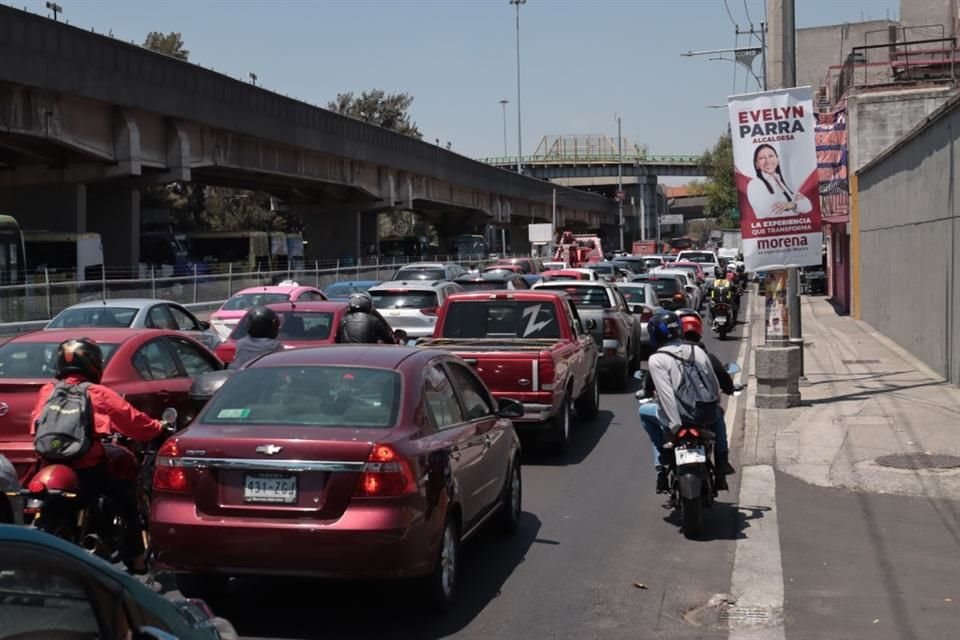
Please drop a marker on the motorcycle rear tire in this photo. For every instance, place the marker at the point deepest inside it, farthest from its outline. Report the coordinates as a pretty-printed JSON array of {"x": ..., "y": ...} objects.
[{"x": 691, "y": 517}]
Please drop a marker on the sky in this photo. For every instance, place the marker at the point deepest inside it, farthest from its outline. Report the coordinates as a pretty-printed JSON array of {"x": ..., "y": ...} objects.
[{"x": 582, "y": 61}]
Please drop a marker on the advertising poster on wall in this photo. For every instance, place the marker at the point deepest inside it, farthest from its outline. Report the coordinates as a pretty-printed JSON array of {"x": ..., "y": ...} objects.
[
  {"x": 775, "y": 165},
  {"x": 777, "y": 314}
]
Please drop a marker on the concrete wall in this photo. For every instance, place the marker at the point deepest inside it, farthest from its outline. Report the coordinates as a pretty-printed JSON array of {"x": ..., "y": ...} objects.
[
  {"x": 820, "y": 47},
  {"x": 910, "y": 239},
  {"x": 928, "y": 12},
  {"x": 876, "y": 120}
]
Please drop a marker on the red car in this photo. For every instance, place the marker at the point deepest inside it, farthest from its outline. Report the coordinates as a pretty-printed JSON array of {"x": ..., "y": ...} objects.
[
  {"x": 305, "y": 324},
  {"x": 564, "y": 274},
  {"x": 343, "y": 462},
  {"x": 153, "y": 369}
]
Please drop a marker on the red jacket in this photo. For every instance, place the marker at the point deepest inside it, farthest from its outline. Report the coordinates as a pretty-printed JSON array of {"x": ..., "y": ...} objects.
[{"x": 110, "y": 413}]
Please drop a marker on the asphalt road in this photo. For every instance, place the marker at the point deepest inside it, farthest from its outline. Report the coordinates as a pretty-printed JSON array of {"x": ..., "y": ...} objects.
[{"x": 592, "y": 528}]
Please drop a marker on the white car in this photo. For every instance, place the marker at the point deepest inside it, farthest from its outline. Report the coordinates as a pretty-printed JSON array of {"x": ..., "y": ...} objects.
[
  {"x": 412, "y": 305},
  {"x": 428, "y": 271},
  {"x": 707, "y": 259},
  {"x": 641, "y": 294}
]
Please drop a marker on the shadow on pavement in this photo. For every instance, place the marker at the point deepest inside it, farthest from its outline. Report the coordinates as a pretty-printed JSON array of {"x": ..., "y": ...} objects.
[
  {"x": 275, "y": 608},
  {"x": 872, "y": 391},
  {"x": 583, "y": 440},
  {"x": 724, "y": 521},
  {"x": 856, "y": 377}
]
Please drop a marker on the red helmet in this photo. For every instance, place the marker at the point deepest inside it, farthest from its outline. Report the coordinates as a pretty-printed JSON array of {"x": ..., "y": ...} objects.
[{"x": 691, "y": 324}]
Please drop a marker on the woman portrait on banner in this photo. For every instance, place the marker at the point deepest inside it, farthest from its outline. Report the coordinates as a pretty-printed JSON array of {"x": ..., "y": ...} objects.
[{"x": 769, "y": 194}]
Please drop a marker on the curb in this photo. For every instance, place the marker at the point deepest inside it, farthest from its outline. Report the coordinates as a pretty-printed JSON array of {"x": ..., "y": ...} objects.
[{"x": 743, "y": 356}]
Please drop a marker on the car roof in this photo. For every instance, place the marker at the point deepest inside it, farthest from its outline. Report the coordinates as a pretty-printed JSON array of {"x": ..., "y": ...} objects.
[
  {"x": 94, "y": 333},
  {"x": 381, "y": 356},
  {"x": 572, "y": 283},
  {"x": 409, "y": 285},
  {"x": 513, "y": 294},
  {"x": 287, "y": 288},
  {"x": 422, "y": 265},
  {"x": 352, "y": 282},
  {"x": 138, "y": 303},
  {"x": 324, "y": 305}
]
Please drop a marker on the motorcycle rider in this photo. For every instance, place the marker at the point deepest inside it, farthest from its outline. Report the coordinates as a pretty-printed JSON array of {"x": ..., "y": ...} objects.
[
  {"x": 362, "y": 324},
  {"x": 79, "y": 361},
  {"x": 263, "y": 326},
  {"x": 666, "y": 332}
]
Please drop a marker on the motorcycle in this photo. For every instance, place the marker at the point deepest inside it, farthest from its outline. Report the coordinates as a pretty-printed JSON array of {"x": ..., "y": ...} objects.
[
  {"x": 55, "y": 502},
  {"x": 722, "y": 318},
  {"x": 691, "y": 475}
]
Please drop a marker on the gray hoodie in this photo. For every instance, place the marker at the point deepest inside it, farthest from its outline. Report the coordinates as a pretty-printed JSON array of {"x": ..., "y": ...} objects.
[
  {"x": 666, "y": 374},
  {"x": 249, "y": 348}
]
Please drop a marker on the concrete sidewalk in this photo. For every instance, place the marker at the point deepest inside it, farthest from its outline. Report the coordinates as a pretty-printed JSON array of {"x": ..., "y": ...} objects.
[{"x": 864, "y": 397}]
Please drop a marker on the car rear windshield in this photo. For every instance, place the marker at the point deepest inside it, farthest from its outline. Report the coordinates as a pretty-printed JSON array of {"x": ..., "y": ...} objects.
[
  {"x": 664, "y": 286},
  {"x": 297, "y": 325},
  {"x": 635, "y": 295},
  {"x": 36, "y": 359},
  {"x": 313, "y": 396},
  {"x": 602, "y": 268},
  {"x": 344, "y": 290},
  {"x": 482, "y": 285},
  {"x": 700, "y": 257},
  {"x": 588, "y": 297},
  {"x": 501, "y": 318},
  {"x": 420, "y": 274},
  {"x": 244, "y": 301},
  {"x": 498, "y": 272},
  {"x": 404, "y": 299},
  {"x": 94, "y": 317}
]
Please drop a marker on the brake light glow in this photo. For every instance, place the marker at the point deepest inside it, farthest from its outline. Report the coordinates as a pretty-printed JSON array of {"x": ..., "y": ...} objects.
[
  {"x": 610, "y": 331},
  {"x": 386, "y": 474},
  {"x": 36, "y": 486},
  {"x": 546, "y": 372},
  {"x": 692, "y": 432},
  {"x": 169, "y": 474},
  {"x": 646, "y": 314},
  {"x": 430, "y": 311}
]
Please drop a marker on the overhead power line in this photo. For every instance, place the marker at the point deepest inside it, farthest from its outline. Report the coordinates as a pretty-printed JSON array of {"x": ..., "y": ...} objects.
[{"x": 730, "y": 15}]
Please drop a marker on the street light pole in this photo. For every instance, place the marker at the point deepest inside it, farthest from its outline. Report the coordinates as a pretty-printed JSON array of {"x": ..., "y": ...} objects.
[
  {"x": 519, "y": 129},
  {"x": 620, "y": 179},
  {"x": 504, "y": 104},
  {"x": 790, "y": 80}
]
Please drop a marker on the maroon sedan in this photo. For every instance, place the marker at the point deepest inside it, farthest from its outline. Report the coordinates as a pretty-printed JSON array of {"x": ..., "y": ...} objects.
[
  {"x": 302, "y": 324},
  {"x": 153, "y": 369},
  {"x": 342, "y": 462}
]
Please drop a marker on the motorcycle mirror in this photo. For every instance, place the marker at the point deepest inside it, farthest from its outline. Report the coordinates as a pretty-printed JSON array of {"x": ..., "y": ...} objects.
[
  {"x": 639, "y": 374},
  {"x": 169, "y": 415},
  {"x": 733, "y": 368}
]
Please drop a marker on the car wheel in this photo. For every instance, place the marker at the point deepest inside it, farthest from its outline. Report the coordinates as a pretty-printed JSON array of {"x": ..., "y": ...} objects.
[
  {"x": 202, "y": 585},
  {"x": 561, "y": 426},
  {"x": 511, "y": 504},
  {"x": 441, "y": 585},
  {"x": 588, "y": 404}
]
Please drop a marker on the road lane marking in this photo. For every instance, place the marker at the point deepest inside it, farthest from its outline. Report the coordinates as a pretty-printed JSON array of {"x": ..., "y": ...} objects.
[{"x": 757, "y": 581}]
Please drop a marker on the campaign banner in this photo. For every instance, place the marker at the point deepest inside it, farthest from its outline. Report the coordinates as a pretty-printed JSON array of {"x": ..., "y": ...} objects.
[{"x": 775, "y": 167}]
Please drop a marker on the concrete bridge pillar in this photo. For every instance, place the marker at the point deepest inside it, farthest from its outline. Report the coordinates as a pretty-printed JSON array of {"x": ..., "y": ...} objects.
[
  {"x": 114, "y": 213},
  {"x": 647, "y": 186},
  {"x": 61, "y": 207}
]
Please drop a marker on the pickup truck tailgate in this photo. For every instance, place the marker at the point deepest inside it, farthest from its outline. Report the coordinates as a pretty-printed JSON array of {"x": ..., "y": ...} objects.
[{"x": 512, "y": 373}]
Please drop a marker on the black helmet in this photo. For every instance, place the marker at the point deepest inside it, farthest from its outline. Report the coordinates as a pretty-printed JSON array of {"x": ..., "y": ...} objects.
[
  {"x": 360, "y": 301},
  {"x": 80, "y": 356},
  {"x": 663, "y": 327},
  {"x": 263, "y": 322}
]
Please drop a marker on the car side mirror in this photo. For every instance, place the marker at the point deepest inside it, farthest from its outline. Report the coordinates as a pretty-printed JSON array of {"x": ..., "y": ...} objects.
[
  {"x": 509, "y": 408},
  {"x": 591, "y": 324},
  {"x": 733, "y": 368},
  {"x": 204, "y": 325}
]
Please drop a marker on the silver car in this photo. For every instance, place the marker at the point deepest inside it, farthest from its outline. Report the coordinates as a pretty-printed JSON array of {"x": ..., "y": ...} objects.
[
  {"x": 412, "y": 305},
  {"x": 642, "y": 299},
  {"x": 136, "y": 313}
]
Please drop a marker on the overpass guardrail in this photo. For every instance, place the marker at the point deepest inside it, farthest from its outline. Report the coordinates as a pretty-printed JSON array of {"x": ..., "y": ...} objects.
[
  {"x": 29, "y": 306},
  {"x": 600, "y": 158}
]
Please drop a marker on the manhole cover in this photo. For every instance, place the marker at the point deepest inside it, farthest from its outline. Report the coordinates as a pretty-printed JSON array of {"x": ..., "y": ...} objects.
[
  {"x": 750, "y": 615},
  {"x": 860, "y": 361},
  {"x": 919, "y": 461}
]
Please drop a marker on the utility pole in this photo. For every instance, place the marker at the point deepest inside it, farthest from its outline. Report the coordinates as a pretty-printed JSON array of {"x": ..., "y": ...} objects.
[
  {"x": 620, "y": 179},
  {"x": 790, "y": 80},
  {"x": 519, "y": 131},
  {"x": 504, "y": 103},
  {"x": 55, "y": 8}
]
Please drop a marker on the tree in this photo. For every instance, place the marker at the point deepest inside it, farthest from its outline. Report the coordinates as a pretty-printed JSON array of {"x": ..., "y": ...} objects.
[
  {"x": 721, "y": 190},
  {"x": 387, "y": 110},
  {"x": 169, "y": 43}
]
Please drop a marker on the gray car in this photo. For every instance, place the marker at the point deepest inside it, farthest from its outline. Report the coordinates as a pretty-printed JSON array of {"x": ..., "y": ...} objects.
[
  {"x": 136, "y": 313},
  {"x": 617, "y": 331}
]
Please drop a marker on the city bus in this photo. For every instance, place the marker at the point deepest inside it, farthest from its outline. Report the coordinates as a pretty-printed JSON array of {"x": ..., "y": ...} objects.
[
  {"x": 246, "y": 250},
  {"x": 404, "y": 247},
  {"x": 64, "y": 256},
  {"x": 470, "y": 247}
]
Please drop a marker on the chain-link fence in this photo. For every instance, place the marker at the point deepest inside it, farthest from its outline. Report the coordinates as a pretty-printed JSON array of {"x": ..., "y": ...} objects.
[{"x": 42, "y": 297}]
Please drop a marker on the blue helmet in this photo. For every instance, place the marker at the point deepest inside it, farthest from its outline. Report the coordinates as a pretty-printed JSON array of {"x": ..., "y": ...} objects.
[{"x": 663, "y": 327}]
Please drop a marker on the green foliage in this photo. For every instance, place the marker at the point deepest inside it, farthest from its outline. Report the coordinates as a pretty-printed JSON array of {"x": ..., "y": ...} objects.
[
  {"x": 168, "y": 43},
  {"x": 380, "y": 108},
  {"x": 720, "y": 190}
]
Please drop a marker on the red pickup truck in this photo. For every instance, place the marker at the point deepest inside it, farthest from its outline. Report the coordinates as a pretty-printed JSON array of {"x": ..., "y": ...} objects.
[{"x": 526, "y": 345}]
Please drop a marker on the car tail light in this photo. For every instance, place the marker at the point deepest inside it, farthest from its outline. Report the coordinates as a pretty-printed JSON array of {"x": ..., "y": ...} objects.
[
  {"x": 646, "y": 315},
  {"x": 386, "y": 474},
  {"x": 610, "y": 331},
  {"x": 679, "y": 298},
  {"x": 547, "y": 372},
  {"x": 169, "y": 474},
  {"x": 692, "y": 432},
  {"x": 36, "y": 486},
  {"x": 429, "y": 311}
]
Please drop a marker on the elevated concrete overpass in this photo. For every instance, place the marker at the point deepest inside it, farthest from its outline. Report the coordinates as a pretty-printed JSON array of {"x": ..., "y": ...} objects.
[{"x": 86, "y": 121}]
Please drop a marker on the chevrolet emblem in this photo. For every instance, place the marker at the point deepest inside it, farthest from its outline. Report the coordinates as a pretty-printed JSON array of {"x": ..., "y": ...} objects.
[{"x": 269, "y": 449}]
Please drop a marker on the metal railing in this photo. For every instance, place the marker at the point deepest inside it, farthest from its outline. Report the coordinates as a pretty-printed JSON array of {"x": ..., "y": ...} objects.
[
  {"x": 596, "y": 158},
  {"x": 41, "y": 298}
]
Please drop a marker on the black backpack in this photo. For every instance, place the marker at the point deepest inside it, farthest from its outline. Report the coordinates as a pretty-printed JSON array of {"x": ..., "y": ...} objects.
[
  {"x": 698, "y": 395},
  {"x": 64, "y": 429}
]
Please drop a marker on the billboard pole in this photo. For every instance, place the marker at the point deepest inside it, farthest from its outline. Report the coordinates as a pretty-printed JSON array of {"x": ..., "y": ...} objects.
[{"x": 790, "y": 80}]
